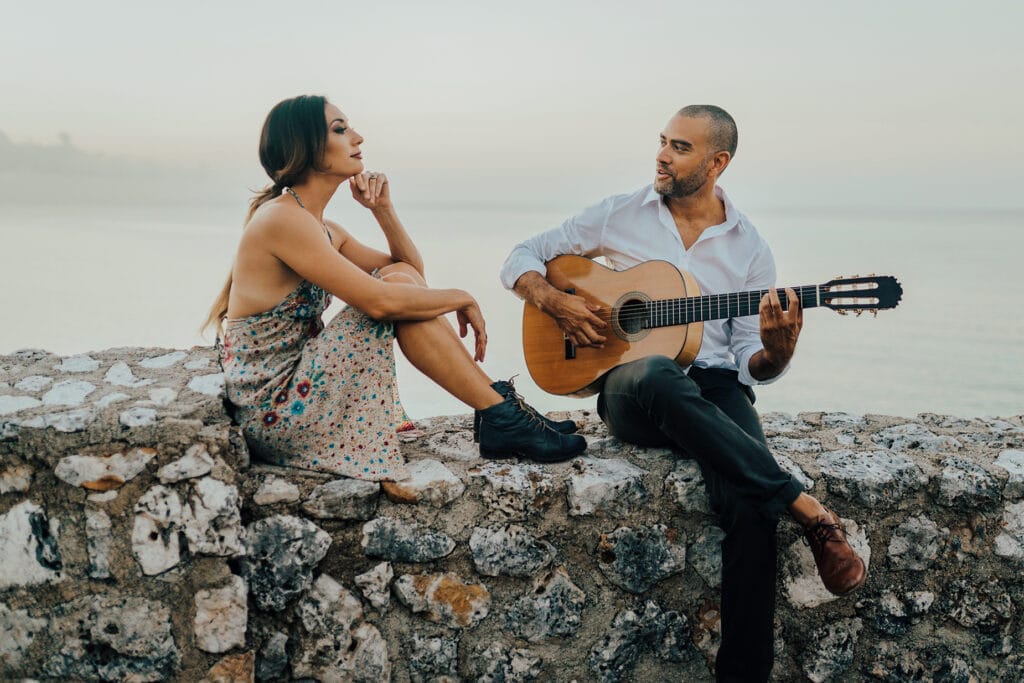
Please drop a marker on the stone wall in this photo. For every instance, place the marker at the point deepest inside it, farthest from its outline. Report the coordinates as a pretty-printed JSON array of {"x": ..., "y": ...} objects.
[{"x": 138, "y": 543}]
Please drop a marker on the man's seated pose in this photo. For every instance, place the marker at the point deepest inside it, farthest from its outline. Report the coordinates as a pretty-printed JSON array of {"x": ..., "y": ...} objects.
[{"x": 704, "y": 410}]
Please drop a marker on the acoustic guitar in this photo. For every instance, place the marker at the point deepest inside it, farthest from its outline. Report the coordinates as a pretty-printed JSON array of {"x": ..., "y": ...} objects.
[{"x": 656, "y": 309}]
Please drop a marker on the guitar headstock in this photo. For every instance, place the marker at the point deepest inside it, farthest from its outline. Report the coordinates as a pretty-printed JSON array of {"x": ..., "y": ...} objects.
[{"x": 861, "y": 293}]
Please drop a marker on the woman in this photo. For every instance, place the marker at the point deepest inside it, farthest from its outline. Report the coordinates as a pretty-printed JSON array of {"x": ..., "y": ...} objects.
[{"x": 324, "y": 398}]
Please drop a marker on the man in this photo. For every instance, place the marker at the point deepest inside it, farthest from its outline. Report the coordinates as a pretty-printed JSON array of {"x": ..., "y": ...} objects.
[{"x": 705, "y": 410}]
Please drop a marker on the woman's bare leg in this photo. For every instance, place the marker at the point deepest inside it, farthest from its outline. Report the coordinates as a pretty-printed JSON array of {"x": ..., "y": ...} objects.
[{"x": 433, "y": 347}]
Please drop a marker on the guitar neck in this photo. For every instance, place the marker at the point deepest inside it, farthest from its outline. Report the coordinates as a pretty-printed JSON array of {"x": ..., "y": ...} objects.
[{"x": 693, "y": 309}]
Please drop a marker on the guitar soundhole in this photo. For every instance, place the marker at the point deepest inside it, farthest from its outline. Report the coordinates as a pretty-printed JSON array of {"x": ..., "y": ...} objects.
[{"x": 628, "y": 316}]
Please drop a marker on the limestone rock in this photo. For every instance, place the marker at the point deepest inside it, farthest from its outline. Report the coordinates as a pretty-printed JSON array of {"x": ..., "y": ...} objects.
[
  {"x": 706, "y": 555},
  {"x": 33, "y": 383},
  {"x": 686, "y": 485},
  {"x": 833, "y": 651},
  {"x": 513, "y": 492},
  {"x": 444, "y": 598},
  {"x": 102, "y": 473},
  {"x": 138, "y": 416},
  {"x": 121, "y": 375},
  {"x": 782, "y": 423},
  {"x": 16, "y": 478},
  {"x": 1010, "y": 542},
  {"x": 80, "y": 363},
  {"x": 429, "y": 482},
  {"x": 499, "y": 663},
  {"x": 195, "y": 463},
  {"x": 77, "y": 420},
  {"x": 210, "y": 385},
  {"x": 973, "y": 604},
  {"x": 1013, "y": 462},
  {"x": 635, "y": 559},
  {"x": 239, "y": 668},
  {"x": 553, "y": 608},
  {"x": 915, "y": 544},
  {"x": 794, "y": 469},
  {"x": 273, "y": 658},
  {"x": 99, "y": 541},
  {"x": 18, "y": 630},
  {"x": 801, "y": 582},
  {"x": 113, "y": 639},
  {"x": 875, "y": 478},
  {"x": 895, "y": 613},
  {"x": 914, "y": 436},
  {"x": 966, "y": 484},
  {"x": 15, "y": 404},
  {"x": 830, "y": 420},
  {"x": 398, "y": 541},
  {"x": 343, "y": 499},
  {"x": 433, "y": 659},
  {"x": 786, "y": 443},
  {"x": 29, "y": 553},
  {"x": 155, "y": 533},
  {"x": 163, "y": 361},
  {"x": 276, "y": 490},
  {"x": 375, "y": 585},
  {"x": 337, "y": 645},
  {"x": 221, "y": 616},
  {"x": 453, "y": 445},
  {"x": 70, "y": 392},
  {"x": 282, "y": 552},
  {"x": 654, "y": 630},
  {"x": 212, "y": 519},
  {"x": 509, "y": 550},
  {"x": 605, "y": 486}
]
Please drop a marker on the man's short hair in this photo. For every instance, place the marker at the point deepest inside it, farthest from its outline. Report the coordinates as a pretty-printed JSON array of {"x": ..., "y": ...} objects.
[{"x": 723, "y": 128}]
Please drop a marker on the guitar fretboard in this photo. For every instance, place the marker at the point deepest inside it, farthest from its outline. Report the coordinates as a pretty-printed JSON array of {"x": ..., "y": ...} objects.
[{"x": 719, "y": 306}]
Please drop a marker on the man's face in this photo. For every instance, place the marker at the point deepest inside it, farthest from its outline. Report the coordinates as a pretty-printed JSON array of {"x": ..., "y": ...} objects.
[{"x": 683, "y": 156}]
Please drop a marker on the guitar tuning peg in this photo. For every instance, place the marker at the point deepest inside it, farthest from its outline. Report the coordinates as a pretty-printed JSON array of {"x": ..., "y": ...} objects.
[
  {"x": 874, "y": 312},
  {"x": 842, "y": 311},
  {"x": 859, "y": 311}
]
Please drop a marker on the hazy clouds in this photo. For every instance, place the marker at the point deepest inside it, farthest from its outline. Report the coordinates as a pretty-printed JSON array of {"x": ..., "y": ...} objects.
[{"x": 866, "y": 104}]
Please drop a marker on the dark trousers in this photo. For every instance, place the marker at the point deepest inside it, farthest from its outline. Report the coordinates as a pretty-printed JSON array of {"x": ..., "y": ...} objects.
[{"x": 709, "y": 416}]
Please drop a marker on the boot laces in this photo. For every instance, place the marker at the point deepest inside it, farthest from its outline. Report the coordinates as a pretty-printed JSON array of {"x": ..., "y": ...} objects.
[
  {"x": 535, "y": 416},
  {"x": 820, "y": 533}
]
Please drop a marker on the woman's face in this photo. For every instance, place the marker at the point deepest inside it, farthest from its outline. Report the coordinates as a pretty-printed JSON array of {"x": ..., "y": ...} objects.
[{"x": 342, "y": 155}]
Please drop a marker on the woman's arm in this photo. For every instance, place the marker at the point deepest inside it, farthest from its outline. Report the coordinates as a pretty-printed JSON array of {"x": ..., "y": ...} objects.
[
  {"x": 295, "y": 238},
  {"x": 372, "y": 190}
]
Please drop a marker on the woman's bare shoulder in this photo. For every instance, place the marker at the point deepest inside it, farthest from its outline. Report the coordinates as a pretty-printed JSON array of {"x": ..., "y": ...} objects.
[{"x": 275, "y": 217}]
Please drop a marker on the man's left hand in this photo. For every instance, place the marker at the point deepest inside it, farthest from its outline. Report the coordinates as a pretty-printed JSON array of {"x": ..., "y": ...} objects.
[{"x": 780, "y": 329}]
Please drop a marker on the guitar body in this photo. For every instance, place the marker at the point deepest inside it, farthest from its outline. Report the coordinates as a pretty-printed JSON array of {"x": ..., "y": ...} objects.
[{"x": 558, "y": 368}]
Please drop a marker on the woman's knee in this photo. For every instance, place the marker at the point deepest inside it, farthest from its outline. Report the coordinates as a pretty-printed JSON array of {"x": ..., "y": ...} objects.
[{"x": 402, "y": 272}]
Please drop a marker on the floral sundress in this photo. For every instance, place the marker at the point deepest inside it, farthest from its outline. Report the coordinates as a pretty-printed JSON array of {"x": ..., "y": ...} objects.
[{"x": 316, "y": 397}]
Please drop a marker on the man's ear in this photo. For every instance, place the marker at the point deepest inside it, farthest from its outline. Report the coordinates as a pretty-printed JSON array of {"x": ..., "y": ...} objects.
[{"x": 719, "y": 161}]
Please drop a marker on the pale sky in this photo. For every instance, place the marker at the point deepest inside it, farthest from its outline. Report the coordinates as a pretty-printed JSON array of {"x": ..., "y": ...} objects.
[{"x": 914, "y": 103}]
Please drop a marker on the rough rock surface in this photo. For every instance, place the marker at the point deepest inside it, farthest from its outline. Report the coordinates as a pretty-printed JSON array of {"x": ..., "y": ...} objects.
[{"x": 131, "y": 521}]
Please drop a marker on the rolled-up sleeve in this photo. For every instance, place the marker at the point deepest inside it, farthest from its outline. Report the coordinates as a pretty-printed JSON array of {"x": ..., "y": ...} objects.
[
  {"x": 746, "y": 331},
  {"x": 580, "y": 235}
]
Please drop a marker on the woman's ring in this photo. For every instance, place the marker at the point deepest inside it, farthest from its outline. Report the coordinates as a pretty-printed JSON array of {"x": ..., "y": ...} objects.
[{"x": 373, "y": 176}]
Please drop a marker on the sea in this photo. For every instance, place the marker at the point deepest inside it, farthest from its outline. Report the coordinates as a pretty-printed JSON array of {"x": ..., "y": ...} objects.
[{"x": 82, "y": 278}]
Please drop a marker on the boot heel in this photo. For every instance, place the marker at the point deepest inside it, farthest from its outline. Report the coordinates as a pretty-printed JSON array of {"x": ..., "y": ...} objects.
[{"x": 476, "y": 426}]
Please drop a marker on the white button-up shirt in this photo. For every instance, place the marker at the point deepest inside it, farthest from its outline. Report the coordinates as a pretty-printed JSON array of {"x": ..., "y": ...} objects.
[{"x": 629, "y": 229}]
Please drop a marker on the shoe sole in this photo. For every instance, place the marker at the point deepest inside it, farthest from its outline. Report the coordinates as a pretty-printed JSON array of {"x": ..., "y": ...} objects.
[{"x": 505, "y": 455}]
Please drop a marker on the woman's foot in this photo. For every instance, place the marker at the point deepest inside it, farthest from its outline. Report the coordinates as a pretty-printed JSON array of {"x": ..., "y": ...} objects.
[
  {"x": 513, "y": 429},
  {"x": 506, "y": 388}
]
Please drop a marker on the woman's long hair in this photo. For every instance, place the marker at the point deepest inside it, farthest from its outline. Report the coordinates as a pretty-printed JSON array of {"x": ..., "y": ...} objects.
[{"x": 292, "y": 143}]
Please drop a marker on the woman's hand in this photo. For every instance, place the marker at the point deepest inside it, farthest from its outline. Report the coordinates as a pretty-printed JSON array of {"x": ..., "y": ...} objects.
[
  {"x": 470, "y": 316},
  {"x": 370, "y": 188}
]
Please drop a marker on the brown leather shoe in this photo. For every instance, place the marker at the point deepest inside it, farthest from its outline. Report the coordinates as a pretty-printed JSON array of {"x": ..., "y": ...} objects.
[{"x": 841, "y": 569}]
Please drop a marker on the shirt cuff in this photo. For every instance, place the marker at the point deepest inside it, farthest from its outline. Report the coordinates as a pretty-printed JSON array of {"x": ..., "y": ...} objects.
[{"x": 743, "y": 367}]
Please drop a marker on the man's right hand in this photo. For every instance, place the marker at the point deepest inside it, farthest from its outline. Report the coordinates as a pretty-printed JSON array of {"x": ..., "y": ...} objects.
[{"x": 577, "y": 317}]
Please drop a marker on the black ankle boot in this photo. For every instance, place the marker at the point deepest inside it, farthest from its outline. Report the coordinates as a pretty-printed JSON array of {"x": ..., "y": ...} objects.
[
  {"x": 506, "y": 388},
  {"x": 511, "y": 429}
]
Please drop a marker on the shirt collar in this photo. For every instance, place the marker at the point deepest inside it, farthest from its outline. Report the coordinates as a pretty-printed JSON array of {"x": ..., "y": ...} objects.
[{"x": 732, "y": 216}]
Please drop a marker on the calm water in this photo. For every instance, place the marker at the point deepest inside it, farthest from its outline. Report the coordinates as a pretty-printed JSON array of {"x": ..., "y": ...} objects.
[{"x": 77, "y": 279}]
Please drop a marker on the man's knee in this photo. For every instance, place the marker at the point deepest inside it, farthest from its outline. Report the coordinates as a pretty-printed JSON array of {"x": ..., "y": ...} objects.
[
  {"x": 402, "y": 272},
  {"x": 654, "y": 375}
]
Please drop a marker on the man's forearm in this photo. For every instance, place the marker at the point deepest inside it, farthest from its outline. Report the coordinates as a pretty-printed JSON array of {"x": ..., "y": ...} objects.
[{"x": 532, "y": 286}]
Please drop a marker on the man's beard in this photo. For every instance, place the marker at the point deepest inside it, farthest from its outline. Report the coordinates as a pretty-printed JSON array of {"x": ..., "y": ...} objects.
[{"x": 685, "y": 186}]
